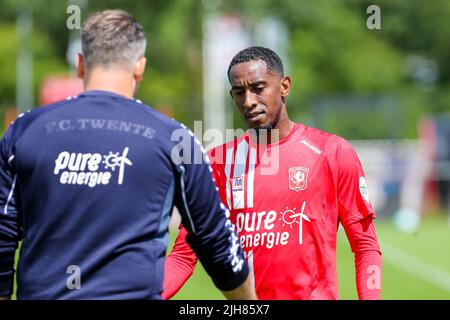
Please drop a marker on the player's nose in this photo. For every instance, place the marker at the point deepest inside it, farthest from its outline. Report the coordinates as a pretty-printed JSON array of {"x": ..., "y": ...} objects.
[{"x": 249, "y": 100}]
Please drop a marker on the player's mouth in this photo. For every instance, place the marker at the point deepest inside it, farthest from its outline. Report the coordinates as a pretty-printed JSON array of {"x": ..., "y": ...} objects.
[{"x": 254, "y": 116}]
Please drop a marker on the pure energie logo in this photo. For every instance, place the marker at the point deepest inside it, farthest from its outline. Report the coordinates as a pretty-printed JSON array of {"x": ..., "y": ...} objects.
[{"x": 90, "y": 169}]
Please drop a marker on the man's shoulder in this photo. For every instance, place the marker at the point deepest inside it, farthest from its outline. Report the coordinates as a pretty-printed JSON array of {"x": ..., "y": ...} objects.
[
  {"x": 337, "y": 149},
  {"x": 323, "y": 140},
  {"x": 163, "y": 119},
  {"x": 148, "y": 114},
  {"x": 24, "y": 120}
]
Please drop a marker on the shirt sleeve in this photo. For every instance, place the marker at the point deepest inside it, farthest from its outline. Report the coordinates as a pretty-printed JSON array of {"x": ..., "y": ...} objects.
[
  {"x": 9, "y": 219},
  {"x": 368, "y": 262},
  {"x": 352, "y": 192},
  {"x": 179, "y": 266},
  {"x": 211, "y": 234},
  {"x": 181, "y": 261}
]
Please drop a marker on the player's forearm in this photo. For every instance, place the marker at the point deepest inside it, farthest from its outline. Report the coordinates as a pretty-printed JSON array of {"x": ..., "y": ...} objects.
[
  {"x": 179, "y": 266},
  {"x": 5, "y": 298},
  {"x": 244, "y": 292},
  {"x": 364, "y": 243},
  {"x": 368, "y": 275},
  {"x": 176, "y": 273}
]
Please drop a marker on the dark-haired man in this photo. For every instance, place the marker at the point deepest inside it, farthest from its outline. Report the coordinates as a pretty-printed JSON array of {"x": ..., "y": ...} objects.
[
  {"x": 89, "y": 183},
  {"x": 288, "y": 186}
]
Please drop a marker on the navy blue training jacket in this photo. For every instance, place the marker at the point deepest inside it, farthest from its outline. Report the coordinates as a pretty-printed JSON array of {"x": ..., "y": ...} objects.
[{"x": 88, "y": 186}]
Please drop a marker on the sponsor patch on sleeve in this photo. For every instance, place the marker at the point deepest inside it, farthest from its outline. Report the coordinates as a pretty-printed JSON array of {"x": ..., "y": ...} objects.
[{"x": 363, "y": 189}]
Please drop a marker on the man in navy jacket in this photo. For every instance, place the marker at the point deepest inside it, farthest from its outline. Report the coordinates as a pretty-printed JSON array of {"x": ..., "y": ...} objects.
[{"x": 88, "y": 185}]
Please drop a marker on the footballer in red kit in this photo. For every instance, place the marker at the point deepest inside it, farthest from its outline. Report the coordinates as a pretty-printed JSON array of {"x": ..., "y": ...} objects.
[{"x": 287, "y": 192}]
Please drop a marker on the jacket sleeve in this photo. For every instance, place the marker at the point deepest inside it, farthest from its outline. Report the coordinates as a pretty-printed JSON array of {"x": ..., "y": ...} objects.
[
  {"x": 181, "y": 261},
  {"x": 9, "y": 219},
  {"x": 211, "y": 234}
]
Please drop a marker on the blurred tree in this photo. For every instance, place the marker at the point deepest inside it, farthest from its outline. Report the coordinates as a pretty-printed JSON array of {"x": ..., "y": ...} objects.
[
  {"x": 7, "y": 64},
  {"x": 331, "y": 51},
  {"x": 173, "y": 79},
  {"x": 46, "y": 61}
]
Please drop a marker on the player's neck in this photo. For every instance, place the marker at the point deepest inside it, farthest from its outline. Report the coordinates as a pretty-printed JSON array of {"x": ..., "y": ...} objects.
[
  {"x": 113, "y": 80},
  {"x": 284, "y": 125}
]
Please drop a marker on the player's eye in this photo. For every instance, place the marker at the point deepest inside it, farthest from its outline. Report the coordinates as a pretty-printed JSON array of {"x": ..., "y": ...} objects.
[{"x": 259, "y": 89}]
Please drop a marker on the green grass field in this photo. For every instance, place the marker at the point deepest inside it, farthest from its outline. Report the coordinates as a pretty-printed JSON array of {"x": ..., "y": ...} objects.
[{"x": 415, "y": 266}]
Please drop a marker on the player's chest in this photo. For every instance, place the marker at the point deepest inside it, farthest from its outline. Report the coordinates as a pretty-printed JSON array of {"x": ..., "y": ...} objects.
[{"x": 279, "y": 180}]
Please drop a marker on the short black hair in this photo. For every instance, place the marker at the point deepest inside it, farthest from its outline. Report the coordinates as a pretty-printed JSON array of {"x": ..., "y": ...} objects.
[{"x": 272, "y": 60}]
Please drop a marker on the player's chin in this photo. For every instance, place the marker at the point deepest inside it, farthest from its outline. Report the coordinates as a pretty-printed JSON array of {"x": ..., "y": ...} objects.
[{"x": 261, "y": 123}]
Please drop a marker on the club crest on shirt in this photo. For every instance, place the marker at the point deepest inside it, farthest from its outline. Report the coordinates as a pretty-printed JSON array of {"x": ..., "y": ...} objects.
[{"x": 298, "y": 178}]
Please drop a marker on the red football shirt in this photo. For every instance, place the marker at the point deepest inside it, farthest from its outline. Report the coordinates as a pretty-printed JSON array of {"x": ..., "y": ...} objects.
[{"x": 286, "y": 200}]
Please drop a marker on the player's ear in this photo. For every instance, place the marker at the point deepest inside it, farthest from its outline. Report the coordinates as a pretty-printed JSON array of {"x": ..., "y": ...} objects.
[
  {"x": 139, "y": 68},
  {"x": 79, "y": 64},
  {"x": 285, "y": 86}
]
